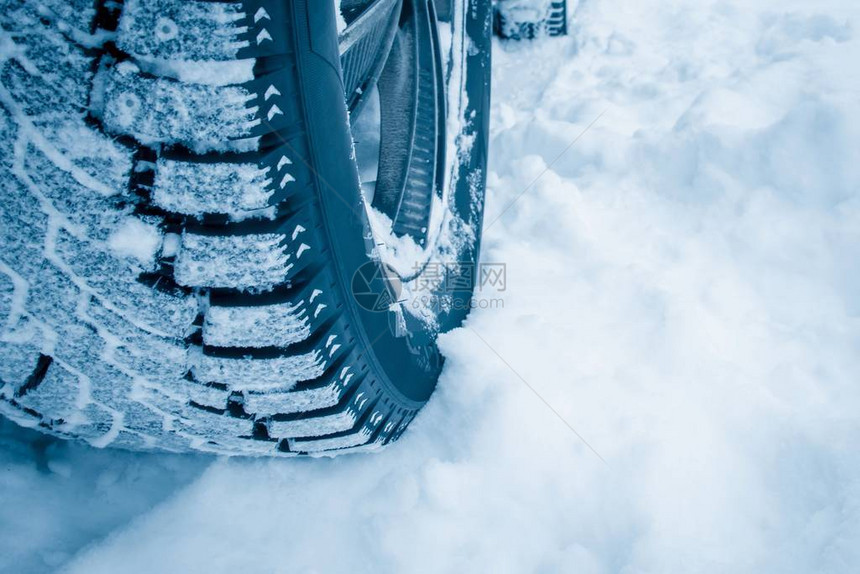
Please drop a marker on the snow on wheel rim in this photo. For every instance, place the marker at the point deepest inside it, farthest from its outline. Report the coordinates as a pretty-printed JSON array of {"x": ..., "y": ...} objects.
[
  {"x": 410, "y": 251},
  {"x": 449, "y": 236}
]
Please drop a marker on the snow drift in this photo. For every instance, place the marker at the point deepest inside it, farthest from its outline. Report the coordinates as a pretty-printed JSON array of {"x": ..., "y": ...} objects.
[{"x": 670, "y": 387}]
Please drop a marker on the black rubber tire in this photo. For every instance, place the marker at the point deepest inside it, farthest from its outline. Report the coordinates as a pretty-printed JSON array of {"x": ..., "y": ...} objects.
[{"x": 178, "y": 257}]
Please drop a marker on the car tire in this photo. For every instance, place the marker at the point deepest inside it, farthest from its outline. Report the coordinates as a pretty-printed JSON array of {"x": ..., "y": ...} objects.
[{"x": 183, "y": 229}]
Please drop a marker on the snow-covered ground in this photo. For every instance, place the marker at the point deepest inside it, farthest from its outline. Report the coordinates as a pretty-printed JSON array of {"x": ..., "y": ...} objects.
[{"x": 673, "y": 384}]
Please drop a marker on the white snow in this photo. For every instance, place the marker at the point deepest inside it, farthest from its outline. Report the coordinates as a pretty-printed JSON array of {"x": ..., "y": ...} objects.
[
  {"x": 683, "y": 294},
  {"x": 137, "y": 239},
  {"x": 338, "y": 14},
  {"x": 276, "y": 374},
  {"x": 213, "y": 73},
  {"x": 192, "y": 31},
  {"x": 295, "y": 401},
  {"x": 195, "y": 188},
  {"x": 280, "y": 324},
  {"x": 333, "y": 423},
  {"x": 162, "y": 110},
  {"x": 238, "y": 261}
]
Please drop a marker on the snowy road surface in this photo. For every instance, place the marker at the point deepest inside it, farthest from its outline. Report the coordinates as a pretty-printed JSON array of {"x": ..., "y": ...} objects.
[{"x": 673, "y": 384}]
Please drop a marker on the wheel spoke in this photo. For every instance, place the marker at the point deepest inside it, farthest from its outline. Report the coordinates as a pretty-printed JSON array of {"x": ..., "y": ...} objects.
[
  {"x": 364, "y": 46},
  {"x": 412, "y": 98}
]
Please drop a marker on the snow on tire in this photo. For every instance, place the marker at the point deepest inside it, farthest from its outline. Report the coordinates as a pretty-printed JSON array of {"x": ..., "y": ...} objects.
[{"x": 175, "y": 265}]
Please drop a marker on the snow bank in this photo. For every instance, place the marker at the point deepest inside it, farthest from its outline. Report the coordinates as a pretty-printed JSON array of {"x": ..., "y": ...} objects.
[
  {"x": 59, "y": 497},
  {"x": 682, "y": 291}
]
